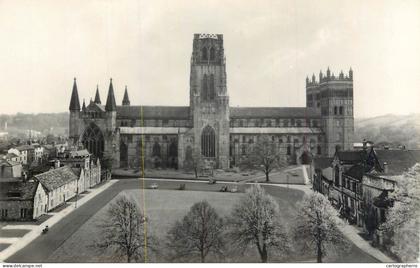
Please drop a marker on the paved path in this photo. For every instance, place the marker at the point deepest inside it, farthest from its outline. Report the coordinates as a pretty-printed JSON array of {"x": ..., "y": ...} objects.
[
  {"x": 36, "y": 230},
  {"x": 43, "y": 246}
]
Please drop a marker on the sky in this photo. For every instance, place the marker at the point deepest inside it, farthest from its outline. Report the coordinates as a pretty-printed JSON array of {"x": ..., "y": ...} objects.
[{"x": 270, "y": 48}]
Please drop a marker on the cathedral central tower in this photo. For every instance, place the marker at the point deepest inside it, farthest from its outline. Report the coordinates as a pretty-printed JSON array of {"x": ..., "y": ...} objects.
[{"x": 209, "y": 101}]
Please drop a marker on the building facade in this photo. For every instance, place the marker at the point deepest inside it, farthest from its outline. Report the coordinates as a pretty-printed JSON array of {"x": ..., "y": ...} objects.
[{"x": 169, "y": 136}]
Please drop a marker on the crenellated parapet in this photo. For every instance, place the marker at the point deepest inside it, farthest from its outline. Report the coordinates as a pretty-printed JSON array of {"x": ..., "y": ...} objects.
[{"x": 328, "y": 77}]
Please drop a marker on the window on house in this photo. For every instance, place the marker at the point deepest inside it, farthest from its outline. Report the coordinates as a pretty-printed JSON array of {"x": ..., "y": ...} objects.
[
  {"x": 298, "y": 123},
  {"x": 286, "y": 123},
  {"x": 335, "y": 110},
  {"x": 4, "y": 213},
  {"x": 318, "y": 150},
  {"x": 289, "y": 150},
  {"x": 337, "y": 176},
  {"x": 341, "y": 110},
  {"x": 212, "y": 53}
]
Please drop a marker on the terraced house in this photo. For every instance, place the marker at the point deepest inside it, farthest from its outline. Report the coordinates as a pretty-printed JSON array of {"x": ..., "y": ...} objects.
[{"x": 170, "y": 136}]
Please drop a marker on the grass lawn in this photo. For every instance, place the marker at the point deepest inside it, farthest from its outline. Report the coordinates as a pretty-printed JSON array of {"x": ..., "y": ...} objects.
[
  {"x": 163, "y": 208},
  {"x": 13, "y": 232}
]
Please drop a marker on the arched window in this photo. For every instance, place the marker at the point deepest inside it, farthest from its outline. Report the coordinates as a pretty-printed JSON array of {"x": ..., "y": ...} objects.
[
  {"x": 212, "y": 53},
  {"x": 204, "y": 53},
  {"x": 93, "y": 140},
  {"x": 123, "y": 154},
  {"x": 212, "y": 91},
  {"x": 208, "y": 142},
  {"x": 204, "y": 91}
]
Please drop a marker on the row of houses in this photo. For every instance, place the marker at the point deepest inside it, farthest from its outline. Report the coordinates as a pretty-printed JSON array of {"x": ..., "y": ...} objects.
[
  {"x": 30, "y": 198},
  {"x": 32, "y": 154},
  {"x": 358, "y": 183}
]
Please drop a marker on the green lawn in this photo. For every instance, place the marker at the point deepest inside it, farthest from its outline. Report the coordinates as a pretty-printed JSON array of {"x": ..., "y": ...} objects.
[{"x": 163, "y": 208}]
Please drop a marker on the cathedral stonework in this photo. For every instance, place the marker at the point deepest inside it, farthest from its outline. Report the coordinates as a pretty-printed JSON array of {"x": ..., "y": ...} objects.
[{"x": 174, "y": 136}]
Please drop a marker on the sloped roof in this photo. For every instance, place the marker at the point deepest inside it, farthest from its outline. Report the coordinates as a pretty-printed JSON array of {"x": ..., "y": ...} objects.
[
  {"x": 9, "y": 163},
  {"x": 355, "y": 172},
  {"x": 10, "y": 155},
  {"x": 273, "y": 112},
  {"x": 398, "y": 161},
  {"x": 17, "y": 190},
  {"x": 322, "y": 162},
  {"x": 153, "y": 112},
  {"x": 56, "y": 177},
  {"x": 95, "y": 107},
  {"x": 76, "y": 171},
  {"x": 24, "y": 147},
  {"x": 350, "y": 157}
]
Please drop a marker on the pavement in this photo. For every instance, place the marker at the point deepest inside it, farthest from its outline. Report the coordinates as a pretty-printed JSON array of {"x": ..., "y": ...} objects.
[
  {"x": 44, "y": 246},
  {"x": 18, "y": 243}
]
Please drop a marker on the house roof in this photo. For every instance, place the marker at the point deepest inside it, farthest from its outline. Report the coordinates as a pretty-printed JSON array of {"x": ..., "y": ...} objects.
[
  {"x": 56, "y": 177},
  {"x": 322, "y": 162},
  {"x": 355, "y": 172},
  {"x": 17, "y": 190},
  {"x": 399, "y": 161},
  {"x": 350, "y": 157},
  {"x": 274, "y": 112},
  {"x": 9, "y": 163},
  {"x": 153, "y": 112},
  {"x": 10, "y": 155},
  {"x": 24, "y": 147},
  {"x": 76, "y": 171}
]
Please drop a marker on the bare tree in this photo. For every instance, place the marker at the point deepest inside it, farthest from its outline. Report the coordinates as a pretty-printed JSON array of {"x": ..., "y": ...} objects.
[
  {"x": 255, "y": 221},
  {"x": 265, "y": 156},
  {"x": 125, "y": 232},
  {"x": 317, "y": 226},
  {"x": 199, "y": 233}
]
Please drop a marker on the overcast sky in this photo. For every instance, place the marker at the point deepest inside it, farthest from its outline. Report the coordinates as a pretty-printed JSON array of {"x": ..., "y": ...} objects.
[{"x": 270, "y": 47}]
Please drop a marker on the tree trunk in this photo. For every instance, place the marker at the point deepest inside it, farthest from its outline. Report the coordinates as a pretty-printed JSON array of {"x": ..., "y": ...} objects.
[
  {"x": 128, "y": 258},
  {"x": 267, "y": 179},
  {"x": 264, "y": 256},
  {"x": 319, "y": 253},
  {"x": 202, "y": 257}
]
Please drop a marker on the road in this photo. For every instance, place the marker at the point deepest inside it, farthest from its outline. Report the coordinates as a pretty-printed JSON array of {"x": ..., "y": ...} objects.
[{"x": 43, "y": 246}]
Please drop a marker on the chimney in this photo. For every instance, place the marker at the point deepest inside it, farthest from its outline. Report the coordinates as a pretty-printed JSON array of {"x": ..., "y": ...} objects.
[{"x": 386, "y": 169}]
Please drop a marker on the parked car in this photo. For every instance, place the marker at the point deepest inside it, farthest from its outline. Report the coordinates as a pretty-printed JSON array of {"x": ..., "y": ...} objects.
[
  {"x": 154, "y": 186},
  {"x": 224, "y": 189},
  {"x": 234, "y": 189}
]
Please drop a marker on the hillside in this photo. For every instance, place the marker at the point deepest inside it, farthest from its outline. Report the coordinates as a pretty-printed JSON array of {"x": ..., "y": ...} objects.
[
  {"x": 46, "y": 123},
  {"x": 393, "y": 129}
]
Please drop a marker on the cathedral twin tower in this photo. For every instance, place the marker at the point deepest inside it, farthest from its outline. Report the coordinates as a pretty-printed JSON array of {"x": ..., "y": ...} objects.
[{"x": 224, "y": 136}]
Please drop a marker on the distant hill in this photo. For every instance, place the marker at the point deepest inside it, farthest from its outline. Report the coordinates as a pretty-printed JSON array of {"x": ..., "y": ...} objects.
[
  {"x": 390, "y": 129},
  {"x": 387, "y": 129},
  {"x": 46, "y": 123}
]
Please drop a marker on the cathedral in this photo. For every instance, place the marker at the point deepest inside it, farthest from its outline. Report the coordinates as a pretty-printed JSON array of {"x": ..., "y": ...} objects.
[{"x": 173, "y": 136}]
